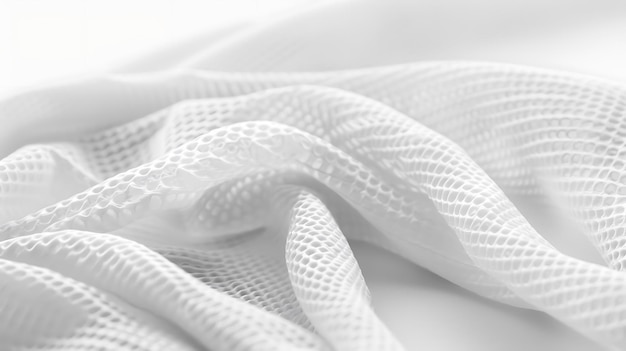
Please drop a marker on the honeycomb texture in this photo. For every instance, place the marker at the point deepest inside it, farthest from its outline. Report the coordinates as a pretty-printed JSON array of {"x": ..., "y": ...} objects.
[{"x": 199, "y": 209}]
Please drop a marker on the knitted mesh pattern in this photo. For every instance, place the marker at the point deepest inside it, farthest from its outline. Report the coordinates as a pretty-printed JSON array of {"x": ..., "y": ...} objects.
[{"x": 215, "y": 213}]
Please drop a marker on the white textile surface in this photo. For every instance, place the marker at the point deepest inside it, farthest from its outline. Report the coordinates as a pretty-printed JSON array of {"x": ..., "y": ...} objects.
[{"x": 210, "y": 196}]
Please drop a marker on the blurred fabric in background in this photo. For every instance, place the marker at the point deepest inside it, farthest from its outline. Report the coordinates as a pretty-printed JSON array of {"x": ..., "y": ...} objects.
[{"x": 43, "y": 40}]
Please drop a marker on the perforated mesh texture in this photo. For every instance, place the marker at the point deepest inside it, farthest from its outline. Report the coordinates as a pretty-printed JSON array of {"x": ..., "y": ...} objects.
[{"x": 216, "y": 214}]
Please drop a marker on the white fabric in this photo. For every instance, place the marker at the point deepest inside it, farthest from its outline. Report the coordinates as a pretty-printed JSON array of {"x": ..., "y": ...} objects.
[{"x": 196, "y": 209}]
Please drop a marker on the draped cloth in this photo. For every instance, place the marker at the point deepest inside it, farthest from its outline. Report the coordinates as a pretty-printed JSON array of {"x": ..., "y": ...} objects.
[{"x": 210, "y": 202}]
